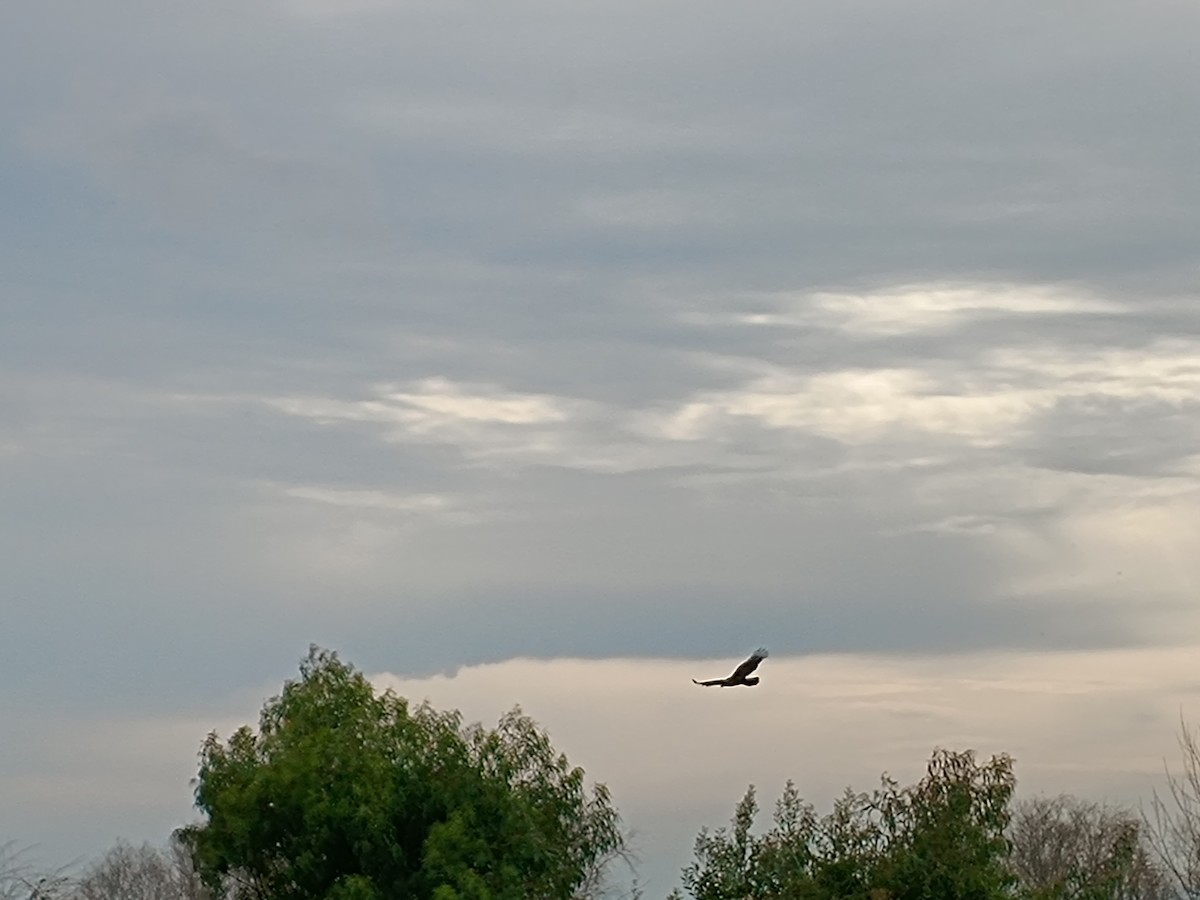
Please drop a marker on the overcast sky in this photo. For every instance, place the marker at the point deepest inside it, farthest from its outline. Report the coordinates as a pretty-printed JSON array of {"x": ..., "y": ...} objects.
[{"x": 555, "y": 353}]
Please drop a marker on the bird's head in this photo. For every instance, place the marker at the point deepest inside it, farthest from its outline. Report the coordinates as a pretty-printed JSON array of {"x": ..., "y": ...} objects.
[{"x": 752, "y": 680}]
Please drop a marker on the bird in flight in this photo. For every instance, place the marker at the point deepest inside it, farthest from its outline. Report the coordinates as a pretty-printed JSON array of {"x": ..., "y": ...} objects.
[{"x": 741, "y": 675}]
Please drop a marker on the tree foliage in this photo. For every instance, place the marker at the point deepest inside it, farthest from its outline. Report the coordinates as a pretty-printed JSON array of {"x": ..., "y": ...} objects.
[
  {"x": 940, "y": 839},
  {"x": 346, "y": 794}
]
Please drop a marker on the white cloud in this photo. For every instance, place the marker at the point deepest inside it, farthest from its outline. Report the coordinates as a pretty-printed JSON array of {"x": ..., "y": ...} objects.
[
  {"x": 1003, "y": 398},
  {"x": 996, "y": 399},
  {"x": 856, "y": 406},
  {"x": 370, "y": 499},
  {"x": 432, "y": 406},
  {"x": 441, "y": 401},
  {"x": 493, "y": 426},
  {"x": 905, "y": 309},
  {"x": 1166, "y": 371},
  {"x": 909, "y": 309}
]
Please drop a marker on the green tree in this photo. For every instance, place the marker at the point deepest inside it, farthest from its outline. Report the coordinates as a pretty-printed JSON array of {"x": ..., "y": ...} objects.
[
  {"x": 346, "y": 794},
  {"x": 940, "y": 839},
  {"x": 946, "y": 835}
]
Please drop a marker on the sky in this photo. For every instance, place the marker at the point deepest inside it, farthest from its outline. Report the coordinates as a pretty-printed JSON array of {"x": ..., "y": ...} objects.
[{"x": 555, "y": 354}]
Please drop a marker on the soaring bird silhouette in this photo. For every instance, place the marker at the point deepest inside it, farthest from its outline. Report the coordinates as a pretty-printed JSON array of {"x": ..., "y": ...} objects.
[{"x": 741, "y": 675}]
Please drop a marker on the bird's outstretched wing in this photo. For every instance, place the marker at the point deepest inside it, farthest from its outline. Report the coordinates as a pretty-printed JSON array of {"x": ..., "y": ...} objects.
[
  {"x": 749, "y": 665},
  {"x": 715, "y": 681}
]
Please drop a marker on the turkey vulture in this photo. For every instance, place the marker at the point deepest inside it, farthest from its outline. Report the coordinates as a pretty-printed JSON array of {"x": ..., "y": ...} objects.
[{"x": 741, "y": 675}]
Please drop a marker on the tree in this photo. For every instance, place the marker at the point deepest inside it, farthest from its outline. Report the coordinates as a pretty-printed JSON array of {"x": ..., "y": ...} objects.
[
  {"x": 1173, "y": 823},
  {"x": 346, "y": 794},
  {"x": 127, "y": 872},
  {"x": 20, "y": 881},
  {"x": 940, "y": 839},
  {"x": 1065, "y": 848}
]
